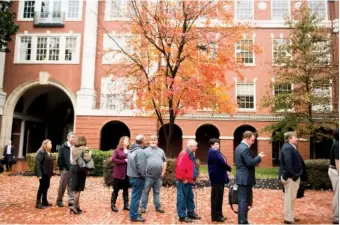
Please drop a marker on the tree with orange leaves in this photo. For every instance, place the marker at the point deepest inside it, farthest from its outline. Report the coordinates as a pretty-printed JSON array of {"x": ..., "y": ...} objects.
[{"x": 177, "y": 57}]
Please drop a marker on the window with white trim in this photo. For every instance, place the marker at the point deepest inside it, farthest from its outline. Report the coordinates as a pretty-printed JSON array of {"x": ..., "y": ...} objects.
[
  {"x": 119, "y": 9},
  {"x": 244, "y": 50},
  {"x": 25, "y": 48},
  {"x": 318, "y": 7},
  {"x": 28, "y": 10},
  {"x": 73, "y": 9},
  {"x": 244, "y": 9},
  {"x": 322, "y": 53},
  {"x": 42, "y": 48},
  {"x": 280, "y": 9},
  {"x": 281, "y": 92},
  {"x": 113, "y": 45},
  {"x": 114, "y": 95},
  {"x": 245, "y": 94},
  {"x": 279, "y": 50},
  {"x": 322, "y": 95}
]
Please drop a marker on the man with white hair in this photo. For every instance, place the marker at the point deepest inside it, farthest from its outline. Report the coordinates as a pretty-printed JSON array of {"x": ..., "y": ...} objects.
[
  {"x": 136, "y": 170},
  {"x": 186, "y": 174}
]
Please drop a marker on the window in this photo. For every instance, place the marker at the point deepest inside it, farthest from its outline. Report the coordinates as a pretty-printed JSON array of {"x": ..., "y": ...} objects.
[
  {"x": 281, "y": 92},
  {"x": 280, "y": 9},
  {"x": 25, "y": 48},
  {"x": 73, "y": 9},
  {"x": 244, "y": 9},
  {"x": 318, "y": 7},
  {"x": 213, "y": 50},
  {"x": 322, "y": 53},
  {"x": 28, "y": 11},
  {"x": 119, "y": 9},
  {"x": 70, "y": 48},
  {"x": 42, "y": 48},
  {"x": 322, "y": 96},
  {"x": 244, "y": 52},
  {"x": 114, "y": 95},
  {"x": 113, "y": 51},
  {"x": 279, "y": 49},
  {"x": 245, "y": 94}
]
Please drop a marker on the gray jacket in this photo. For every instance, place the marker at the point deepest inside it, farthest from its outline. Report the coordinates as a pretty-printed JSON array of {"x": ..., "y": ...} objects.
[{"x": 136, "y": 165}]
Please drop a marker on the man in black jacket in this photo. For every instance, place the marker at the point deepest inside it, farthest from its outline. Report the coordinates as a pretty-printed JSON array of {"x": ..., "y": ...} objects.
[
  {"x": 64, "y": 157},
  {"x": 291, "y": 168},
  {"x": 9, "y": 153},
  {"x": 245, "y": 174},
  {"x": 333, "y": 173}
]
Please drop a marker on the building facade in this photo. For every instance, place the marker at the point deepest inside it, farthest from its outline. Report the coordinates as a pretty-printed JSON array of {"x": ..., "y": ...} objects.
[{"x": 57, "y": 78}]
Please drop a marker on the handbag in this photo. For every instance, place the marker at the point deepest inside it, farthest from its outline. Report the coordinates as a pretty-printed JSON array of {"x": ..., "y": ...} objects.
[
  {"x": 85, "y": 161},
  {"x": 233, "y": 198},
  {"x": 14, "y": 160}
]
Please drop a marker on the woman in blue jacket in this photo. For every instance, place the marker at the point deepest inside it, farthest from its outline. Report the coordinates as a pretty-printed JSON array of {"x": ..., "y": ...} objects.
[{"x": 218, "y": 168}]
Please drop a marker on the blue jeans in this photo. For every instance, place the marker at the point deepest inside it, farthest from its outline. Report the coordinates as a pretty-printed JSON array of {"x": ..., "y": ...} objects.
[
  {"x": 156, "y": 185},
  {"x": 244, "y": 195},
  {"x": 137, "y": 185},
  {"x": 185, "y": 200}
]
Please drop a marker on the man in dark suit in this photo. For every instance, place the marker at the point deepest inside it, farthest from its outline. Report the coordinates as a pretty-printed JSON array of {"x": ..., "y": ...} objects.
[
  {"x": 291, "y": 168},
  {"x": 9, "y": 153},
  {"x": 245, "y": 174},
  {"x": 64, "y": 158}
]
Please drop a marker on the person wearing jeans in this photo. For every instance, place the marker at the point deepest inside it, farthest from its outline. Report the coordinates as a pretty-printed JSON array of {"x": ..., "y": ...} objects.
[
  {"x": 155, "y": 170},
  {"x": 333, "y": 173},
  {"x": 136, "y": 171}
]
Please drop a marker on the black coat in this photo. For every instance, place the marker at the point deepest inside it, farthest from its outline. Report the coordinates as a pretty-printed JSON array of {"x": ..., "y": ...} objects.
[
  {"x": 291, "y": 163},
  {"x": 245, "y": 165},
  {"x": 64, "y": 157},
  {"x": 12, "y": 150},
  {"x": 43, "y": 164}
]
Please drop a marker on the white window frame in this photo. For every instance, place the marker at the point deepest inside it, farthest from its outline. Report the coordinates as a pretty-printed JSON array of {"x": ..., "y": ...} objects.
[
  {"x": 235, "y": 11},
  {"x": 254, "y": 91},
  {"x": 37, "y": 8},
  {"x": 108, "y": 43},
  {"x": 35, "y": 36},
  {"x": 254, "y": 54},
  {"x": 329, "y": 56},
  {"x": 108, "y": 12},
  {"x": 326, "y": 7},
  {"x": 320, "y": 108},
  {"x": 273, "y": 58},
  {"x": 282, "y": 110},
  {"x": 289, "y": 10}
]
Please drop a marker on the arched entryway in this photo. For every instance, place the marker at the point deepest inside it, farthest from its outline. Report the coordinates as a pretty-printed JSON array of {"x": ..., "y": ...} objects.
[
  {"x": 322, "y": 143},
  {"x": 38, "y": 111},
  {"x": 238, "y": 138},
  {"x": 111, "y": 133},
  {"x": 203, "y": 134},
  {"x": 176, "y": 143},
  {"x": 277, "y": 142}
]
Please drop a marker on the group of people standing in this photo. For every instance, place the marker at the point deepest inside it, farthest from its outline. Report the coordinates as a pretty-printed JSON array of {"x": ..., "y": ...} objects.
[{"x": 72, "y": 176}]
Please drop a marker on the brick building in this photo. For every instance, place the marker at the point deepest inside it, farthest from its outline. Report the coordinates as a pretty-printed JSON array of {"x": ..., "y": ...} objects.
[{"x": 56, "y": 79}]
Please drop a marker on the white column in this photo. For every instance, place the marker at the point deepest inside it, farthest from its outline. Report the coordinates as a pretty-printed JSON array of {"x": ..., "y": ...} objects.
[
  {"x": 22, "y": 138},
  {"x": 2, "y": 72},
  {"x": 86, "y": 96}
]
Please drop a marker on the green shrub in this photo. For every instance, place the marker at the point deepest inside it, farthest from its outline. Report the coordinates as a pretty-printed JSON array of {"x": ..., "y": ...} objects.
[
  {"x": 317, "y": 173},
  {"x": 98, "y": 157}
]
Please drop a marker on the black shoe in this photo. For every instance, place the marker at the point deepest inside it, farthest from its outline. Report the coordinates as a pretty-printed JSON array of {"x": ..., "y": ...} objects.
[
  {"x": 185, "y": 220},
  {"x": 335, "y": 222},
  {"x": 60, "y": 204},
  {"x": 39, "y": 206},
  {"x": 195, "y": 217},
  {"x": 288, "y": 222},
  {"x": 79, "y": 210},
  {"x": 138, "y": 219},
  {"x": 114, "y": 208},
  {"x": 160, "y": 210},
  {"x": 70, "y": 204},
  {"x": 47, "y": 204},
  {"x": 75, "y": 211},
  {"x": 126, "y": 208},
  {"x": 222, "y": 219}
]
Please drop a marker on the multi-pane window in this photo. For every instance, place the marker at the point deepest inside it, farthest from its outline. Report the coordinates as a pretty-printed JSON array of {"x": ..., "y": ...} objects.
[
  {"x": 280, "y": 9},
  {"x": 318, "y": 7},
  {"x": 322, "y": 53},
  {"x": 54, "y": 48},
  {"x": 245, "y": 52},
  {"x": 41, "y": 48},
  {"x": 113, "y": 45},
  {"x": 244, "y": 9},
  {"x": 25, "y": 48},
  {"x": 279, "y": 50},
  {"x": 28, "y": 11},
  {"x": 322, "y": 96},
  {"x": 281, "y": 92},
  {"x": 245, "y": 94},
  {"x": 213, "y": 50},
  {"x": 70, "y": 48},
  {"x": 121, "y": 8},
  {"x": 73, "y": 9}
]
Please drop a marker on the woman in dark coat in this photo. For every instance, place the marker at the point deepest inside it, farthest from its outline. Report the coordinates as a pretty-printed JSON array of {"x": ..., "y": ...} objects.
[
  {"x": 78, "y": 175},
  {"x": 120, "y": 179},
  {"x": 44, "y": 171},
  {"x": 218, "y": 169}
]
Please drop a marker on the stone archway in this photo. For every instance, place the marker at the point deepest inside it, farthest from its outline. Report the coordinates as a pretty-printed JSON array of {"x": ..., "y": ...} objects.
[
  {"x": 203, "y": 134},
  {"x": 17, "y": 93},
  {"x": 110, "y": 134},
  {"x": 176, "y": 140},
  {"x": 238, "y": 138}
]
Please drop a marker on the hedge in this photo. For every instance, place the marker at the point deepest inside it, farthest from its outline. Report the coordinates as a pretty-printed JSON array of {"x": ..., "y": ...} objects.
[
  {"x": 168, "y": 180},
  {"x": 98, "y": 157},
  {"x": 317, "y": 173}
]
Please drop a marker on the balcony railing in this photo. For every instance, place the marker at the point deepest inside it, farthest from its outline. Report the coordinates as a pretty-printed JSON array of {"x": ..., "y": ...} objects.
[{"x": 49, "y": 19}]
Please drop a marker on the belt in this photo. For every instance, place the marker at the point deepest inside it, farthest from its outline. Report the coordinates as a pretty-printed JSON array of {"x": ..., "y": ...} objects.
[{"x": 332, "y": 167}]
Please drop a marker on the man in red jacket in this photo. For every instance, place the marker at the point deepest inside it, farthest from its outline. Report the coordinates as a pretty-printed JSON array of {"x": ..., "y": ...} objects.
[{"x": 186, "y": 173}]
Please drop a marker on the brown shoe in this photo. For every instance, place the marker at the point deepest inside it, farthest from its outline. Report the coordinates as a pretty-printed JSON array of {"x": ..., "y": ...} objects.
[
  {"x": 288, "y": 222},
  {"x": 296, "y": 219}
]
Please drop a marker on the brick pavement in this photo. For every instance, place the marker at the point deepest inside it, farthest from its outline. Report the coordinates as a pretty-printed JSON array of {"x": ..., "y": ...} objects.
[{"x": 18, "y": 193}]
